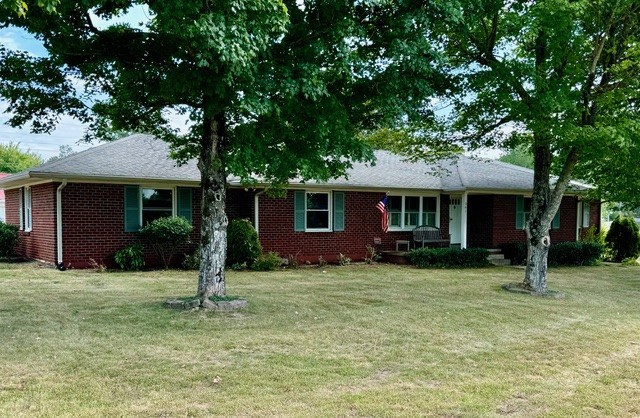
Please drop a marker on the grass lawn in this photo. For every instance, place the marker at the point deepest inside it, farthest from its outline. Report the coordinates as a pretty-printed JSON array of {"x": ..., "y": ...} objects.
[{"x": 341, "y": 341}]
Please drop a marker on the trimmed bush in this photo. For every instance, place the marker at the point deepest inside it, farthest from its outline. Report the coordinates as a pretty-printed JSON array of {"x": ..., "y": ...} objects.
[
  {"x": 575, "y": 254},
  {"x": 267, "y": 262},
  {"x": 623, "y": 238},
  {"x": 243, "y": 245},
  {"x": 130, "y": 258},
  {"x": 165, "y": 235},
  {"x": 8, "y": 239},
  {"x": 449, "y": 257}
]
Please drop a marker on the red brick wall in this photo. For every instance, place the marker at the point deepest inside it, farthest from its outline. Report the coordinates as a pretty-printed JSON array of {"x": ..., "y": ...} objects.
[
  {"x": 504, "y": 221},
  {"x": 40, "y": 243},
  {"x": 93, "y": 225},
  {"x": 362, "y": 225}
]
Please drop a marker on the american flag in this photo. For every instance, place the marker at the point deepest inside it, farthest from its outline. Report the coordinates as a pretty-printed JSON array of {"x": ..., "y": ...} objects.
[{"x": 382, "y": 207}]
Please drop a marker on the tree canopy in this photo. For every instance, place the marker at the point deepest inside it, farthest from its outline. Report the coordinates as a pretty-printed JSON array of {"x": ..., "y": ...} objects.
[{"x": 14, "y": 160}]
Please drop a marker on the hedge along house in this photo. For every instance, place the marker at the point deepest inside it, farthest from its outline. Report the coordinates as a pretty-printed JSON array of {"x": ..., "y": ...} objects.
[{"x": 91, "y": 204}]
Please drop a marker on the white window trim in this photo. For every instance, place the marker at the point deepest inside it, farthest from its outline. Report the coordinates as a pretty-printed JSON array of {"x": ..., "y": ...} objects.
[
  {"x": 329, "y": 194},
  {"x": 28, "y": 210},
  {"x": 174, "y": 199},
  {"x": 402, "y": 226}
]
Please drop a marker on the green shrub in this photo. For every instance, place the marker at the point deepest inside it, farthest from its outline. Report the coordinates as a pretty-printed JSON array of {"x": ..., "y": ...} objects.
[
  {"x": 267, "y": 262},
  {"x": 8, "y": 239},
  {"x": 516, "y": 252},
  {"x": 130, "y": 258},
  {"x": 575, "y": 254},
  {"x": 623, "y": 238},
  {"x": 165, "y": 235},
  {"x": 449, "y": 257},
  {"x": 243, "y": 245}
]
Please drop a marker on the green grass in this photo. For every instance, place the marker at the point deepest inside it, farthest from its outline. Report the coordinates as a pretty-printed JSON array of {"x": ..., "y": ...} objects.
[{"x": 340, "y": 341}]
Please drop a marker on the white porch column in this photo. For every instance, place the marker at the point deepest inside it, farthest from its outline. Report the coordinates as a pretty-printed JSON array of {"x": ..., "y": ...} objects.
[{"x": 463, "y": 222}]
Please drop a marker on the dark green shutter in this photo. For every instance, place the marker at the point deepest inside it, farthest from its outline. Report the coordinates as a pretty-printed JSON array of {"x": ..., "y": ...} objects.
[
  {"x": 519, "y": 212},
  {"x": 185, "y": 203},
  {"x": 299, "y": 208},
  {"x": 555, "y": 224},
  {"x": 131, "y": 208},
  {"x": 338, "y": 211}
]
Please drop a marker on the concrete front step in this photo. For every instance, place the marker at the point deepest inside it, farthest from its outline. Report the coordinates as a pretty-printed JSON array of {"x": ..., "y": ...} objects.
[{"x": 497, "y": 258}]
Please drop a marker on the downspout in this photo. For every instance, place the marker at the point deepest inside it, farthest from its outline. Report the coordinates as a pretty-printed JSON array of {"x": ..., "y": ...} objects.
[
  {"x": 59, "y": 263},
  {"x": 256, "y": 211}
]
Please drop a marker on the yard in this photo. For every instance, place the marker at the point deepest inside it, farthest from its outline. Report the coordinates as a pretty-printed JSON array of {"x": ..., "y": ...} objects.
[{"x": 340, "y": 341}]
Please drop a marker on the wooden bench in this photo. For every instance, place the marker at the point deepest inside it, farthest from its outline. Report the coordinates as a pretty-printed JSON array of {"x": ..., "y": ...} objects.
[{"x": 429, "y": 234}]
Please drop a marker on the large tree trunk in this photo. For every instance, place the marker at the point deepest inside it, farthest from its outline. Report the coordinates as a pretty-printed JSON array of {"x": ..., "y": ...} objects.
[
  {"x": 538, "y": 226},
  {"x": 213, "y": 249},
  {"x": 544, "y": 205}
]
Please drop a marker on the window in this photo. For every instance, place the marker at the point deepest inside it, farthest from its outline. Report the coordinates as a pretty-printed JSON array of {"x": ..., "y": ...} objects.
[
  {"x": 408, "y": 212},
  {"x": 395, "y": 211},
  {"x": 156, "y": 203},
  {"x": 318, "y": 211},
  {"x": 429, "y": 210},
  {"x": 27, "y": 209},
  {"x": 145, "y": 204}
]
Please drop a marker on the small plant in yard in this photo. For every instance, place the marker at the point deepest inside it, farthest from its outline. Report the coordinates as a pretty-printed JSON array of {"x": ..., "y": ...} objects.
[
  {"x": 321, "y": 261},
  {"x": 238, "y": 266},
  {"x": 243, "y": 245},
  {"x": 372, "y": 255},
  {"x": 96, "y": 266},
  {"x": 8, "y": 239},
  {"x": 130, "y": 258},
  {"x": 623, "y": 238},
  {"x": 267, "y": 262},
  {"x": 292, "y": 261},
  {"x": 165, "y": 235},
  {"x": 343, "y": 260}
]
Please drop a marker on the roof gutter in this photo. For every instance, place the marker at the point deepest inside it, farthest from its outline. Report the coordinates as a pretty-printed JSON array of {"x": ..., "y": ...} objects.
[{"x": 59, "y": 263}]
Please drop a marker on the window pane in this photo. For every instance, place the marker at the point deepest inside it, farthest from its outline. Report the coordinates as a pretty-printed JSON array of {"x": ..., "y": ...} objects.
[
  {"x": 394, "y": 219},
  {"x": 318, "y": 201},
  {"x": 412, "y": 204},
  {"x": 527, "y": 204},
  {"x": 429, "y": 204},
  {"x": 429, "y": 218},
  {"x": 411, "y": 219},
  {"x": 156, "y": 203},
  {"x": 318, "y": 219},
  {"x": 395, "y": 203},
  {"x": 156, "y": 199}
]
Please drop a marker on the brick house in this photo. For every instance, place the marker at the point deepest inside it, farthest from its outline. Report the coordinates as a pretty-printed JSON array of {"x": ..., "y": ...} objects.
[{"x": 91, "y": 204}]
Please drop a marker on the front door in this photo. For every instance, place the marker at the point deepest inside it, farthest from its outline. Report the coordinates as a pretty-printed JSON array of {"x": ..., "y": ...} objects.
[{"x": 455, "y": 220}]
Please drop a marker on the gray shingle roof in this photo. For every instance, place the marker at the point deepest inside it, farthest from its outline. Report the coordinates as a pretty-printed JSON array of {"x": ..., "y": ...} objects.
[{"x": 145, "y": 158}]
